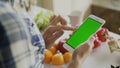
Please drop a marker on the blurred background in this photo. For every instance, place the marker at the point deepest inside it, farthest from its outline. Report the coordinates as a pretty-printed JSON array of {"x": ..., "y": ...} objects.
[{"x": 106, "y": 9}]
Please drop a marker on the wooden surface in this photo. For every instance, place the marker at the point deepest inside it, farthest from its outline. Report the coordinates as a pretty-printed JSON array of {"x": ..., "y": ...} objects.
[{"x": 112, "y": 17}]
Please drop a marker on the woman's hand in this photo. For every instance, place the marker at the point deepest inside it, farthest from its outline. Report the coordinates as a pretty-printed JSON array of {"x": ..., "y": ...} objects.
[
  {"x": 53, "y": 31},
  {"x": 81, "y": 53}
]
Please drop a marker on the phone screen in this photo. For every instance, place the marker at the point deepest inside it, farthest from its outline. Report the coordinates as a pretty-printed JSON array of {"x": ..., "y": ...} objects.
[{"x": 89, "y": 27}]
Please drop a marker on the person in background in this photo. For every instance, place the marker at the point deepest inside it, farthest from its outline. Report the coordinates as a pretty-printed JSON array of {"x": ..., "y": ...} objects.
[{"x": 22, "y": 46}]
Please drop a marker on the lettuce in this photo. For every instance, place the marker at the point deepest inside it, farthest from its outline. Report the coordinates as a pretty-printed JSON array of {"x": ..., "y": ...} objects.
[{"x": 42, "y": 19}]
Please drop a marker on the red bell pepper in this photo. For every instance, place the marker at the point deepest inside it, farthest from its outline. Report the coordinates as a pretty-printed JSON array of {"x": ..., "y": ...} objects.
[
  {"x": 102, "y": 34},
  {"x": 97, "y": 43}
]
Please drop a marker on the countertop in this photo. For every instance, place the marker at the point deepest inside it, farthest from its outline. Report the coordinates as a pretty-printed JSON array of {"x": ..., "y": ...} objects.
[{"x": 99, "y": 57}]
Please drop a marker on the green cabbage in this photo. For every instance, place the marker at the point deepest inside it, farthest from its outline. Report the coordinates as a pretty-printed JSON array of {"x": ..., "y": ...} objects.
[{"x": 42, "y": 19}]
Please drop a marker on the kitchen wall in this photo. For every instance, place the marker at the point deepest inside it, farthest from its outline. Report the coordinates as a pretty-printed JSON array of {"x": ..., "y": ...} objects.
[
  {"x": 48, "y": 4},
  {"x": 62, "y": 6},
  {"x": 111, "y": 4},
  {"x": 65, "y": 7}
]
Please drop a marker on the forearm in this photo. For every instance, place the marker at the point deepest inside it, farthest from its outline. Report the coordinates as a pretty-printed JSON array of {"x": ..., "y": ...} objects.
[
  {"x": 79, "y": 55},
  {"x": 74, "y": 64}
]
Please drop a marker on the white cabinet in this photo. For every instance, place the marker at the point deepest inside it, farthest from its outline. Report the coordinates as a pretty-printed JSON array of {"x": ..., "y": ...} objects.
[
  {"x": 65, "y": 7},
  {"x": 57, "y": 6},
  {"x": 62, "y": 6}
]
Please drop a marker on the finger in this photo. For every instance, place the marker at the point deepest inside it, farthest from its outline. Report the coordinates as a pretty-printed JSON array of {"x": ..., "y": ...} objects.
[
  {"x": 68, "y": 28},
  {"x": 82, "y": 51},
  {"x": 58, "y": 19},
  {"x": 72, "y": 33},
  {"x": 52, "y": 17},
  {"x": 53, "y": 29},
  {"x": 48, "y": 31},
  {"x": 57, "y": 28},
  {"x": 55, "y": 20},
  {"x": 56, "y": 35},
  {"x": 51, "y": 38},
  {"x": 62, "y": 20},
  {"x": 90, "y": 41}
]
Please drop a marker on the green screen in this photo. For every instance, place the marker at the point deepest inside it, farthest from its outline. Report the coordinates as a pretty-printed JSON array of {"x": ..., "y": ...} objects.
[{"x": 89, "y": 27}]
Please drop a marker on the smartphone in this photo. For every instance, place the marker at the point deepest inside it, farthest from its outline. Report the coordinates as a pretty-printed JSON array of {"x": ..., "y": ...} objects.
[{"x": 89, "y": 27}]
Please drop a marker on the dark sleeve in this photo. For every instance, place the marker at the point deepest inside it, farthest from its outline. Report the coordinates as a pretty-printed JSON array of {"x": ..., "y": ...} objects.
[{"x": 3, "y": 37}]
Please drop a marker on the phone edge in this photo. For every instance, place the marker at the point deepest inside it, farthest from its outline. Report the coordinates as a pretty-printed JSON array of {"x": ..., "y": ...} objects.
[
  {"x": 100, "y": 20},
  {"x": 69, "y": 48}
]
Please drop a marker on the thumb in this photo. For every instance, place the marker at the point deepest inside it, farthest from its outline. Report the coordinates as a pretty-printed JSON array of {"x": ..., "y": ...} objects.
[
  {"x": 90, "y": 42},
  {"x": 56, "y": 35}
]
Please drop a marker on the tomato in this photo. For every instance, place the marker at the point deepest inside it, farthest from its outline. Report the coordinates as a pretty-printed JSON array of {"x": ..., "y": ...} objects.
[
  {"x": 102, "y": 34},
  {"x": 61, "y": 46},
  {"x": 96, "y": 43}
]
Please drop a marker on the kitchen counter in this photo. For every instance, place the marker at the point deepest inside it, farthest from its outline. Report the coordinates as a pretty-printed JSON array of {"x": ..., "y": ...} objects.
[{"x": 99, "y": 57}]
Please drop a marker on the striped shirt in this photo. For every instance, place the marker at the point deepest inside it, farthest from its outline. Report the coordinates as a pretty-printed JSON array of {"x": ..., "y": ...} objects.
[{"x": 21, "y": 44}]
